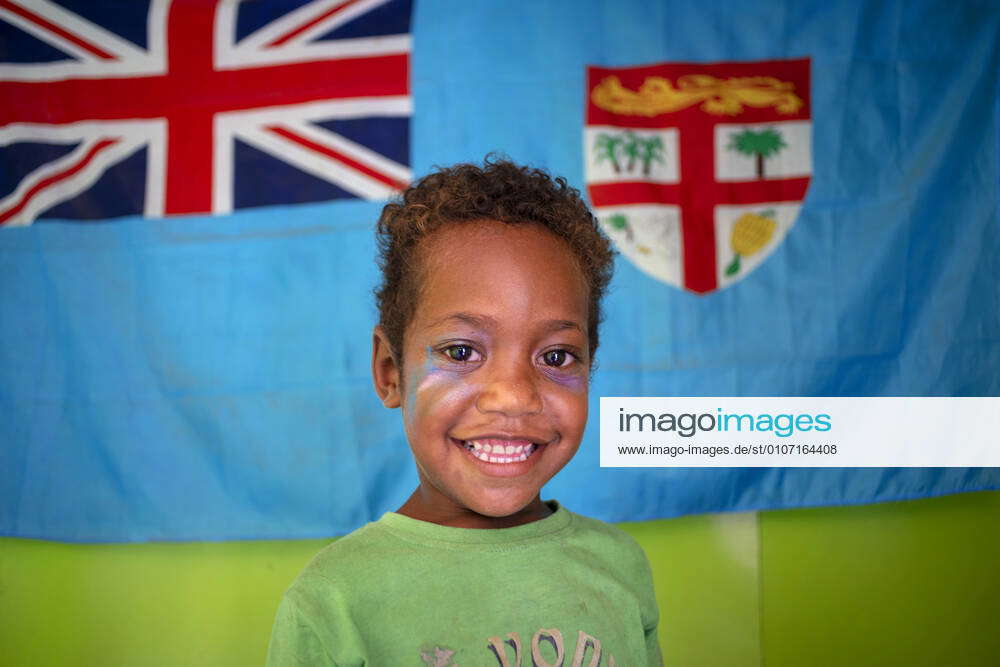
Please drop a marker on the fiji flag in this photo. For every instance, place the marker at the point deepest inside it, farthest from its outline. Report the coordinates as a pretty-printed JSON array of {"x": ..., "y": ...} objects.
[{"x": 803, "y": 195}]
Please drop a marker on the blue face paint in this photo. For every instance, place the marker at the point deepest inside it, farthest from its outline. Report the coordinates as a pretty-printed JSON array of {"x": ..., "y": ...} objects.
[
  {"x": 427, "y": 370},
  {"x": 430, "y": 366},
  {"x": 414, "y": 379}
]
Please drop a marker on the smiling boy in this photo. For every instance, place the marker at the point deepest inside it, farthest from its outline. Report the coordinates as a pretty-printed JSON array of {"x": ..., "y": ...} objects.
[{"x": 489, "y": 307}]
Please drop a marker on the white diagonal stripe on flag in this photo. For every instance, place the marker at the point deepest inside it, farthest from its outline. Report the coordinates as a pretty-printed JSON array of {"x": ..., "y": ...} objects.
[
  {"x": 43, "y": 33},
  {"x": 335, "y": 142},
  {"x": 315, "y": 163},
  {"x": 64, "y": 178},
  {"x": 333, "y": 19},
  {"x": 125, "y": 58},
  {"x": 308, "y": 21},
  {"x": 94, "y": 36}
]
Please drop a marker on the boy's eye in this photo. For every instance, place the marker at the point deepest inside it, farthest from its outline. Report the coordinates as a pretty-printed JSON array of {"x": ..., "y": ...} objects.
[
  {"x": 556, "y": 358},
  {"x": 459, "y": 352}
]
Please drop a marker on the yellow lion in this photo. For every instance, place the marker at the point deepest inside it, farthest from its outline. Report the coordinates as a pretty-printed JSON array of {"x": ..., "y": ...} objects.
[{"x": 658, "y": 95}]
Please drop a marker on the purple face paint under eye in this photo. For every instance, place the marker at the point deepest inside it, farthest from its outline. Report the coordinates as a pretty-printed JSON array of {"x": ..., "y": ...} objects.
[{"x": 575, "y": 383}]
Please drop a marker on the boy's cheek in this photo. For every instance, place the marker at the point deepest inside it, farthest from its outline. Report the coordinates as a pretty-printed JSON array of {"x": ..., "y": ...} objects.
[{"x": 435, "y": 394}]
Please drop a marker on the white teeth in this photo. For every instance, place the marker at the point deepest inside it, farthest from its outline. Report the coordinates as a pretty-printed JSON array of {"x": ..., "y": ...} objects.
[{"x": 500, "y": 453}]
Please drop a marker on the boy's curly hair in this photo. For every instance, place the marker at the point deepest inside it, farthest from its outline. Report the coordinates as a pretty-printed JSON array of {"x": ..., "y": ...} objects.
[{"x": 499, "y": 190}]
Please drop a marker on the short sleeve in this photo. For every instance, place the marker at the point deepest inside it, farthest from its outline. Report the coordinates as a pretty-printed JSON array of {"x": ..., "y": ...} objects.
[
  {"x": 650, "y": 612},
  {"x": 294, "y": 640},
  {"x": 653, "y": 655}
]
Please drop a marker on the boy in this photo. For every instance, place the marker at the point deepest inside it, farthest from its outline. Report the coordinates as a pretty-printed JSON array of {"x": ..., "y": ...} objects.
[{"x": 489, "y": 307}]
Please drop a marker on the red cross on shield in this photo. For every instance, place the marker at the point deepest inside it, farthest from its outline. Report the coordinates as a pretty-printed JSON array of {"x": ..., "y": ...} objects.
[{"x": 698, "y": 171}]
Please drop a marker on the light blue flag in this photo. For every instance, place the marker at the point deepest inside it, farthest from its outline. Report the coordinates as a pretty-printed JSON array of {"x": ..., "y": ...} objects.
[{"x": 203, "y": 378}]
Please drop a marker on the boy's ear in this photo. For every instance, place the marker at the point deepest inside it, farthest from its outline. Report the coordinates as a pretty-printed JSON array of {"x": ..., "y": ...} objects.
[{"x": 385, "y": 372}]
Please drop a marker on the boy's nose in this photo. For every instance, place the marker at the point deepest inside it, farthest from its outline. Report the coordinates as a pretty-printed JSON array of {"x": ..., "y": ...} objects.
[{"x": 511, "y": 393}]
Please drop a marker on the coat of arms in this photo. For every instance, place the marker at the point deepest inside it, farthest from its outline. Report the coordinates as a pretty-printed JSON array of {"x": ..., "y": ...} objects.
[{"x": 698, "y": 171}]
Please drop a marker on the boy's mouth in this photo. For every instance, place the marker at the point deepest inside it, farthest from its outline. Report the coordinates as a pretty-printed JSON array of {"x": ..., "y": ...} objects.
[{"x": 498, "y": 450}]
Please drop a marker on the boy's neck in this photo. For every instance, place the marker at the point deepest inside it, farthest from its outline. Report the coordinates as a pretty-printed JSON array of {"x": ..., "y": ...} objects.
[{"x": 422, "y": 508}]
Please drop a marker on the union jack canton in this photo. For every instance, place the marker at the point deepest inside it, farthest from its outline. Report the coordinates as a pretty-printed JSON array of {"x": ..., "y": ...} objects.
[{"x": 179, "y": 107}]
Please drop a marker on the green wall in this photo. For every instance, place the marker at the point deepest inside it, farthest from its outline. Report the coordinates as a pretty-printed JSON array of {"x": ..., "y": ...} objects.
[{"x": 910, "y": 583}]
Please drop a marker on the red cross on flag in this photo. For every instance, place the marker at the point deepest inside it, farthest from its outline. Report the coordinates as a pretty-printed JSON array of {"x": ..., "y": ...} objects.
[
  {"x": 698, "y": 171},
  {"x": 230, "y": 105}
]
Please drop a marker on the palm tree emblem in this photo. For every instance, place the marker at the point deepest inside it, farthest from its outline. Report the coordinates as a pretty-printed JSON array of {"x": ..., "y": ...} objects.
[
  {"x": 629, "y": 148},
  {"x": 651, "y": 150},
  {"x": 759, "y": 145},
  {"x": 607, "y": 146}
]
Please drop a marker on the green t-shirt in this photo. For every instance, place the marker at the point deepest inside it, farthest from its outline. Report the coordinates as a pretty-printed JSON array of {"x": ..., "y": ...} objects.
[{"x": 565, "y": 590}]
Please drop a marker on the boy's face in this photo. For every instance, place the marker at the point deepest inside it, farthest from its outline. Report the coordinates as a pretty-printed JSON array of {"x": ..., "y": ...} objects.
[{"x": 496, "y": 367}]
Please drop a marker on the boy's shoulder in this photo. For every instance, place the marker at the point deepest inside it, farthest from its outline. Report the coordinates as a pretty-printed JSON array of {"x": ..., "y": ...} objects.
[
  {"x": 350, "y": 555},
  {"x": 607, "y": 538}
]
